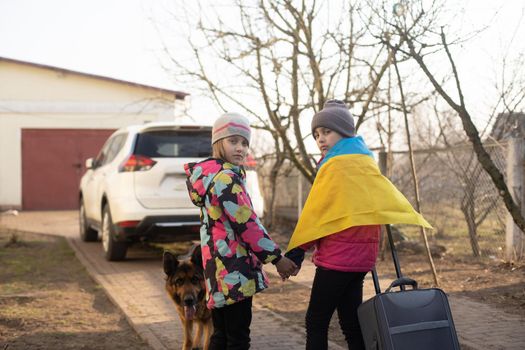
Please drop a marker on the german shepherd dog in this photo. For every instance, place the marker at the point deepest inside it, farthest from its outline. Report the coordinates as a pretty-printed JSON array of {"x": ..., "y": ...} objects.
[{"x": 185, "y": 286}]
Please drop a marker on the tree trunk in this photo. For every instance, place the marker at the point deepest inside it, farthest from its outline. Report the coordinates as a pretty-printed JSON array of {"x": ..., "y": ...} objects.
[
  {"x": 383, "y": 167},
  {"x": 468, "y": 212}
]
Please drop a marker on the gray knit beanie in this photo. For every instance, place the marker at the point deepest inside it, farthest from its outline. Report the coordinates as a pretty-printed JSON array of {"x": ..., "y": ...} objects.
[
  {"x": 334, "y": 116},
  {"x": 230, "y": 124}
]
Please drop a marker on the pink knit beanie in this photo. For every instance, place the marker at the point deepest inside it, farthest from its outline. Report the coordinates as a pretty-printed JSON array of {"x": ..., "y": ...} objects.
[{"x": 230, "y": 124}]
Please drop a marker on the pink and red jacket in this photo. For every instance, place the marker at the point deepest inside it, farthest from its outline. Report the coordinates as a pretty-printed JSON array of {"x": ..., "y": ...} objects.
[{"x": 354, "y": 249}]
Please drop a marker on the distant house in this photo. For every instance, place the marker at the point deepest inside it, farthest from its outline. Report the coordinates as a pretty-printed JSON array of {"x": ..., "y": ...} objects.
[
  {"x": 509, "y": 125},
  {"x": 52, "y": 119}
]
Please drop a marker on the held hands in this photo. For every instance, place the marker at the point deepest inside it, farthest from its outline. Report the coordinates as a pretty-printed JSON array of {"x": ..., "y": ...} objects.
[
  {"x": 297, "y": 256},
  {"x": 286, "y": 268}
]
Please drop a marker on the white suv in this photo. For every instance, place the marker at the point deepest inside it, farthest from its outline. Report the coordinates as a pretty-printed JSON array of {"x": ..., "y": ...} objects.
[{"x": 135, "y": 189}]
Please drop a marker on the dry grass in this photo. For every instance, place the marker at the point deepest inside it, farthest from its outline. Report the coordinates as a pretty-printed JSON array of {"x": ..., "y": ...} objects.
[{"x": 48, "y": 301}]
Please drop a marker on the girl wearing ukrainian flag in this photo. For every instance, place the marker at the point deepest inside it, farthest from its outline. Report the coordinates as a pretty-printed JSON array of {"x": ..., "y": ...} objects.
[
  {"x": 348, "y": 202},
  {"x": 234, "y": 243}
]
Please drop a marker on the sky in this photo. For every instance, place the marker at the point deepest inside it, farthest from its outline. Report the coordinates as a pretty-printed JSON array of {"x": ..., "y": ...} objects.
[
  {"x": 122, "y": 39},
  {"x": 113, "y": 38}
]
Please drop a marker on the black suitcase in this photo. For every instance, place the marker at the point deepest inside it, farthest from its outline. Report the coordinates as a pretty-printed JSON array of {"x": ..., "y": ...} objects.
[{"x": 415, "y": 319}]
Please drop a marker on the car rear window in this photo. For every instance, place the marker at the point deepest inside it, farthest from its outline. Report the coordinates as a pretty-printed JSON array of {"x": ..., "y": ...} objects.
[{"x": 172, "y": 143}]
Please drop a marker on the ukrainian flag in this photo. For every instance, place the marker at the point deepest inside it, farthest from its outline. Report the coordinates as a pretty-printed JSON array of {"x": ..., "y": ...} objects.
[{"x": 349, "y": 190}]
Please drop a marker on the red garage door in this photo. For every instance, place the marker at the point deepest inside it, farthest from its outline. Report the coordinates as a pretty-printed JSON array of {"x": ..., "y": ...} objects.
[{"x": 52, "y": 164}]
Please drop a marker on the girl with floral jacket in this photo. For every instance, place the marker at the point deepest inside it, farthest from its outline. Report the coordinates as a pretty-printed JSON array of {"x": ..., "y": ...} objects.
[{"x": 234, "y": 243}]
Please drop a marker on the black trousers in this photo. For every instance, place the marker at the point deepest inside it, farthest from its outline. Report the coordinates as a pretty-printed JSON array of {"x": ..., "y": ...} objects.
[
  {"x": 231, "y": 326},
  {"x": 334, "y": 290}
]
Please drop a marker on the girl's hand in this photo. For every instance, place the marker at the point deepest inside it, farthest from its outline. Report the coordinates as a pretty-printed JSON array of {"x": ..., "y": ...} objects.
[{"x": 285, "y": 267}]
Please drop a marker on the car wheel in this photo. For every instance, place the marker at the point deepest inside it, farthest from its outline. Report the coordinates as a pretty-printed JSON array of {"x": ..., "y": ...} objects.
[
  {"x": 113, "y": 249},
  {"x": 87, "y": 234}
]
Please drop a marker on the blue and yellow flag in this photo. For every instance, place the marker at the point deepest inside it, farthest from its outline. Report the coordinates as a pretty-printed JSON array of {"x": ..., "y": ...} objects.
[{"x": 349, "y": 190}]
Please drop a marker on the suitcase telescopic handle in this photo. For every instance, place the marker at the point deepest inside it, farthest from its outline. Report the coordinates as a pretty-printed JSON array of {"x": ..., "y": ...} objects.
[
  {"x": 393, "y": 249},
  {"x": 395, "y": 259},
  {"x": 400, "y": 282}
]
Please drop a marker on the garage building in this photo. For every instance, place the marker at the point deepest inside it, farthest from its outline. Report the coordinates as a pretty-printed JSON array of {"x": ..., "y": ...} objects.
[{"x": 52, "y": 119}]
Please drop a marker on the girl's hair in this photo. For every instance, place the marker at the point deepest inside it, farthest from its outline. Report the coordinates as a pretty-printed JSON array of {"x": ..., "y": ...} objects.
[{"x": 218, "y": 150}]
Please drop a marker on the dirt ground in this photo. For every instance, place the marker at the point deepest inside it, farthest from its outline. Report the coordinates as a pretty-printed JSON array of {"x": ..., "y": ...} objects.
[
  {"x": 501, "y": 286},
  {"x": 48, "y": 301},
  {"x": 497, "y": 284}
]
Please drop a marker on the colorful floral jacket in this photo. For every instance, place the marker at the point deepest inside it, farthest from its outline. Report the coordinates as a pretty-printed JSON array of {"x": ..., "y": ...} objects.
[{"x": 234, "y": 243}]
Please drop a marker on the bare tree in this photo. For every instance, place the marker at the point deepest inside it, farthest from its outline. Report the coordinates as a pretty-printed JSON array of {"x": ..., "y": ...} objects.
[
  {"x": 415, "y": 20},
  {"x": 476, "y": 202},
  {"x": 289, "y": 57}
]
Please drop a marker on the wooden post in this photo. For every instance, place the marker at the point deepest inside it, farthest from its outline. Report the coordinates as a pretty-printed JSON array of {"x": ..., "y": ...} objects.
[
  {"x": 382, "y": 161},
  {"x": 515, "y": 181},
  {"x": 299, "y": 195}
]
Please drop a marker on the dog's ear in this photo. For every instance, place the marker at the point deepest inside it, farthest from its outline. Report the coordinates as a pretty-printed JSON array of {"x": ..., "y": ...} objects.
[
  {"x": 196, "y": 256},
  {"x": 170, "y": 263}
]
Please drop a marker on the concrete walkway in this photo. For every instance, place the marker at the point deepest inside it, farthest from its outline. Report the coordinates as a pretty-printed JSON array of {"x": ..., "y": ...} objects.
[{"x": 136, "y": 287}]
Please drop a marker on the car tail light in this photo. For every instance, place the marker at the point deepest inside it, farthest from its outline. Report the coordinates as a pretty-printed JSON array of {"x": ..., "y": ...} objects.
[
  {"x": 250, "y": 162},
  {"x": 137, "y": 163},
  {"x": 125, "y": 224}
]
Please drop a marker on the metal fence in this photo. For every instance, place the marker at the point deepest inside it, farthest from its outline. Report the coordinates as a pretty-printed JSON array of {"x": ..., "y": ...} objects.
[{"x": 457, "y": 197}]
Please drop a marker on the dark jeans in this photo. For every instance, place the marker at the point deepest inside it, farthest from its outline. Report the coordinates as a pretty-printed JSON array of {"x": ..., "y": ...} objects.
[
  {"x": 231, "y": 326},
  {"x": 333, "y": 290}
]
